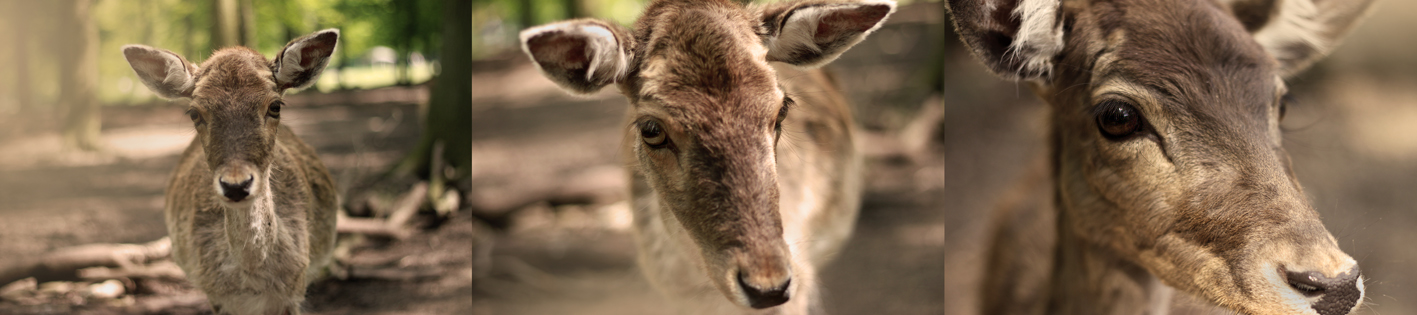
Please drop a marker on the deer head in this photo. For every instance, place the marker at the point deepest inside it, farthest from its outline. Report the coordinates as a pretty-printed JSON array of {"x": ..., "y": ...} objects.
[
  {"x": 706, "y": 111},
  {"x": 236, "y": 101},
  {"x": 1166, "y": 136}
]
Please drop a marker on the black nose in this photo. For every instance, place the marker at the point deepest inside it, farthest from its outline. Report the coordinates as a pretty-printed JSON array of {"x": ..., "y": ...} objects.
[
  {"x": 1340, "y": 293},
  {"x": 238, "y": 191},
  {"x": 764, "y": 298}
]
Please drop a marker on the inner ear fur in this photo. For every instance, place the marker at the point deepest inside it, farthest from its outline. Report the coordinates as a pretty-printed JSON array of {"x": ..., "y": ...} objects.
[
  {"x": 303, "y": 59},
  {"x": 1016, "y": 39},
  {"x": 1298, "y": 33},
  {"x": 812, "y": 33},
  {"x": 581, "y": 56},
  {"x": 164, "y": 72}
]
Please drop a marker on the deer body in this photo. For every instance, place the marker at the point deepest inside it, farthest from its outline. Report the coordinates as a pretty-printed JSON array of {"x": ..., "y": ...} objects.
[
  {"x": 250, "y": 208},
  {"x": 744, "y": 174},
  {"x": 1166, "y": 173}
]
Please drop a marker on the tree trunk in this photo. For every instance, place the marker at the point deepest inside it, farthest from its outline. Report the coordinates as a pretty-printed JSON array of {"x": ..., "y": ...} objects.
[
  {"x": 526, "y": 13},
  {"x": 79, "y": 78},
  {"x": 226, "y": 24},
  {"x": 20, "y": 49},
  {"x": 572, "y": 9},
  {"x": 248, "y": 23},
  {"x": 450, "y": 103}
]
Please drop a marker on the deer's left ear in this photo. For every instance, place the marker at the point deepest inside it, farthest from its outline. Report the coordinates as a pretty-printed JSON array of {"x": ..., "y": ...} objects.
[
  {"x": 812, "y": 33},
  {"x": 1298, "y": 32},
  {"x": 303, "y": 59}
]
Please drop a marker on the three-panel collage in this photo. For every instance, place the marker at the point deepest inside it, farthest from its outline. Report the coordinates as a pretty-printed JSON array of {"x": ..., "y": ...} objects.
[{"x": 708, "y": 157}]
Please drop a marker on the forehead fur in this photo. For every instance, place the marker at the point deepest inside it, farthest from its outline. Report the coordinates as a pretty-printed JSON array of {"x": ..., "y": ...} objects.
[
  {"x": 705, "y": 54},
  {"x": 232, "y": 71},
  {"x": 1191, "y": 53}
]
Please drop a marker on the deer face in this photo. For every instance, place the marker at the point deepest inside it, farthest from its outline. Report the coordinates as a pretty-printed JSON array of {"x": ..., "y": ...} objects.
[
  {"x": 1166, "y": 134},
  {"x": 236, "y": 104},
  {"x": 707, "y": 113}
]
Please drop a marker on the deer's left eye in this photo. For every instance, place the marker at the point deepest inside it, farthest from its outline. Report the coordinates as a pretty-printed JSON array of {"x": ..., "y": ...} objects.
[
  {"x": 195, "y": 116},
  {"x": 274, "y": 110},
  {"x": 1118, "y": 120},
  {"x": 1284, "y": 105},
  {"x": 653, "y": 134}
]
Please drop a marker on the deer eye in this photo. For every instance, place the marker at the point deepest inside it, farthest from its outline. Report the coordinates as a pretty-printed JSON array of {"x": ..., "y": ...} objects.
[
  {"x": 653, "y": 134},
  {"x": 1284, "y": 105},
  {"x": 1118, "y": 119},
  {"x": 195, "y": 116},
  {"x": 274, "y": 110},
  {"x": 787, "y": 104}
]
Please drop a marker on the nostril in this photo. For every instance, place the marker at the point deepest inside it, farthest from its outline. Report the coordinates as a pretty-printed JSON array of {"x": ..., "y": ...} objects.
[
  {"x": 1309, "y": 283},
  {"x": 764, "y": 298},
  {"x": 1339, "y": 294},
  {"x": 238, "y": 191}
]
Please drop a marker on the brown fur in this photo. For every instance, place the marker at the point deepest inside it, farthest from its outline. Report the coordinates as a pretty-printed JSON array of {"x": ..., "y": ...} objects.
[
  {"x": 255, "y": 255},
  {"x": 1202, "y": 200},
  {"x": 730, "y": 194}
]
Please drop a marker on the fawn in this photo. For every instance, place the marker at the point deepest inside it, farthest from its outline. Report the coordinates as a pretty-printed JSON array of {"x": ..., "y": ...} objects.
[
  {"x": 745, "y": 177},
  {"x": 1167, "y": 170},
  {"x": 250, "y": 208}
]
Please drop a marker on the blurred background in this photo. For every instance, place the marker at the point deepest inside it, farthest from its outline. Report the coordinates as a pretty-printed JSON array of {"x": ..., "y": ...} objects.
[
  {"x": 1351, "y": 134},
  {"x": 488, "y": 189}
]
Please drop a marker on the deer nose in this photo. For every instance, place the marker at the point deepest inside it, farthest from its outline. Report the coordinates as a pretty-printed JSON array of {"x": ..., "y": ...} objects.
[
  {"x": 238, "y": 191},
  {"x": 765, "y": 296},
  {"x": 1339, "y": 293}
]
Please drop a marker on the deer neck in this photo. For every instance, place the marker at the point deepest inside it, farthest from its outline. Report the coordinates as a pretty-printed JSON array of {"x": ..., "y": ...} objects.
[
  {"x": 1090, "y": 278},
  {"x": 253, "y": 230}
]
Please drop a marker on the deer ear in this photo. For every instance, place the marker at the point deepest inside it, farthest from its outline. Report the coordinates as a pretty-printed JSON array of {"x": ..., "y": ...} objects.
[
  {"x": 582, "y": 55},
  {"x": 813, "y": 33},
  {"x": 1016, "y": 39},
  {"x": 1298, "y": 32},
  {"x": 303, "y": 59},
  {"x": 164, "y": 72}
]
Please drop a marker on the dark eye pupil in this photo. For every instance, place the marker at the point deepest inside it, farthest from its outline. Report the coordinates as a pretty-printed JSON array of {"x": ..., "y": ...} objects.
[
  {"x": 193, "y": 115},
  {"x": 1118, "y": 119},
  {"x": 650, "y": 130},
  {"x": 275, "y": 107}
]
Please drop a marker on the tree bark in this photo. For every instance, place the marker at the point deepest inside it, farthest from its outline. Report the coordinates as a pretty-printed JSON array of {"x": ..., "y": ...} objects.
[
  {"x": 226, "y": 24},
  {"x": 572, "y": 9},
  {"x": 449, "y": 116},
  {"x": 79, "y": 78},
  {"x": 247, "y": 28}
]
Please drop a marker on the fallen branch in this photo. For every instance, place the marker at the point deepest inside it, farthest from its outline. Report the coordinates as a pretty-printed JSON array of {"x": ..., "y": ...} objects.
[
  {"x": 165, "y": 269},
  {"x": 64, "y": 263},
  {"x": 394, "y": 274},
  {"x": 408, "y": 205},
  {"x": 371, "y": 227}
]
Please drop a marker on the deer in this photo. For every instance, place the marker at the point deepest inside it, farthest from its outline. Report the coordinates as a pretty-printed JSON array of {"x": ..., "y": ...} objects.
[
  {"x": 1165, "y": 179},
  {"x": 745, "y": 179},
  {"x": 250, "y": 208}
]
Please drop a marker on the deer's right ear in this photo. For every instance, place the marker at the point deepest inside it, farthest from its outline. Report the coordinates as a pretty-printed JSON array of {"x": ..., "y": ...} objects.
[
  {"x": 164, "y": 72},
  {"x": 1016, "y": 39},
  {"x": 581, "y": 56}
]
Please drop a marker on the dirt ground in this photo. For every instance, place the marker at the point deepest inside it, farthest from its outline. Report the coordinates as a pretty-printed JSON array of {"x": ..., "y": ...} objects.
[{"x": 1352, "y": 137}]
